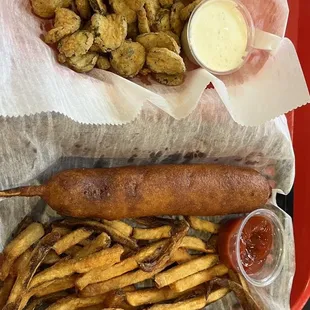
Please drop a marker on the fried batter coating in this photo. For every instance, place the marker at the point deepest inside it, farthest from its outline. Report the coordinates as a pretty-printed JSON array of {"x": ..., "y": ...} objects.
[
  {"x": 84, "y": 63},
  {"x": 135, "y": 5},
  {"x": 129, "y": 59},
  {"x": 47, "y": 8},
  {"x": 162, "y": 60},
  {"x": 132, "y": 30},
  {"x": 158, "y": 39},
  {"x": 76, "y": 44},
  {"x": 103, "y": 63},
  {"x": 98, "y": 6},
  {"x": 66, "y": 22},
  {"x": 151, "y": 8},
  {"x": 176, "y": 22},
  {"x": 169, "y": 80},
  {"x": 186, "y": 12},
  {"x": 83, "y": 8},
  {"x": 166, "y": 3},
  {"x": 143, "y": 23},
  {"x": 162, "y": 21},
  {"x": 174, "y": 36},
  {"x": 110, "y": 31},
  {"x": 120, "y": 7}
]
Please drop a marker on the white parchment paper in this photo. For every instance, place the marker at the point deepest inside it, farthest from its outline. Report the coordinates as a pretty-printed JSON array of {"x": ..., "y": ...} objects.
[
  {"x": 35, "y": 147},
  {"x": 31, "y": 80}
]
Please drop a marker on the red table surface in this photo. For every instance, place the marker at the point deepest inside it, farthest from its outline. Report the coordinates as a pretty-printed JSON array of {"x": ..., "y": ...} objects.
[{"x": 299, "y": 122}]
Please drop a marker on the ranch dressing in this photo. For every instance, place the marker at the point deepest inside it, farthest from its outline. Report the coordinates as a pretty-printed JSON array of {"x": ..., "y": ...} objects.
[{"x": 218, "y": 35}]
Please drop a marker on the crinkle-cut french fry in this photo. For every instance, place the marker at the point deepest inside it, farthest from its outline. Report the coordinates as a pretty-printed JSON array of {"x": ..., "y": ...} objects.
[
  {"x": 217, "y": 294},
  {"x": 195, "y": 303},
  {"x": 103, "y": 258},
  {"x": 152, "y": 233},
  {"x": 73, "y": 250},
  {"x": 129, "y": 264},
  {"x": 74, "y": 302},
  {"x": 26, "y": 274},
  {"x": 199, "y": 277},
  {"x": 19, "y": 245},
  {"x": 72, "y": 239},
  {"x": 119, "y": 282},
  {"x": 51, "y": 258},
  {"x": 194, "y": 243},
  {"x": 5, "y": 290},
  {"x": 120, "y": 226},
  {"x": 182, "y": 271},
  {"x": 199, "y": 224},
  {"x": 101, "y": 242}
]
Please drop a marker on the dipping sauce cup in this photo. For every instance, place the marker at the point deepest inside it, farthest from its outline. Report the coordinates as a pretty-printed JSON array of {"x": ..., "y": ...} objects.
[
  {"x": 220, "y": 36},
  {"x": 254, "y": 246}
]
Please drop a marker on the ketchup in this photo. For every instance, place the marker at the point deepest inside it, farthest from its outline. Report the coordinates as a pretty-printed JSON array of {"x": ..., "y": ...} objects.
[{"x": 255, "y": 243}]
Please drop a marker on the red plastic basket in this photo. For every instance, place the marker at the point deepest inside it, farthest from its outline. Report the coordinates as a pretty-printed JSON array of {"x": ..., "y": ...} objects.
[{"x": 299, "y": 122}]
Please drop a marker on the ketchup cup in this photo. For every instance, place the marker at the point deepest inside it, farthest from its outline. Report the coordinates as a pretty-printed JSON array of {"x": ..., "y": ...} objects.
[{"x": 254, "y": 246}]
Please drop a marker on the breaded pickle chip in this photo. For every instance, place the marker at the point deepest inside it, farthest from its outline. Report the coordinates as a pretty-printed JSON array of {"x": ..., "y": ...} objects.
[
  {"x": 83, "y": 8},
  {"x": 110, "y": 31},
  {"x": 129, "y": 59},
  {"x": 76, "y": 44},
  {"x": 132, "y": 30},
  {"x": 166, "y": 3},
  {"x": 84, "y": 63},
  {"x": 47, "y": 8},
  {"x": 169, "y": 79},
  {"x": 103, "y": 63},
  {"x": 98, "y": 6},
  {"x": 151, "y": 8},
  {"x": 120, "y": 7},
  {"x": 162, "y": 20},
  {"x": 143, "y": 23},
  {"x": 186, "y": 12},
  {"x": 66, "y": 22},
  {"x": 158, "y": 39},
  {"x": 176, "y": 23},
  {"x": 162, "y": 60},
  {"x": 135, "y": 5},
  {"x": 174, "y": 36}
]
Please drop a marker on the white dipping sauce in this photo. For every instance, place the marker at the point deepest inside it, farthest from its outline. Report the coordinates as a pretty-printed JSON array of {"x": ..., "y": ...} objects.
[{"x": 218, "y": 35}]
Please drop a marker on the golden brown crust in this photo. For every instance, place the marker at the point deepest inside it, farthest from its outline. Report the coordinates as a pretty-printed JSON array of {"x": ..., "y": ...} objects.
[{"x": 130, "y": 192}]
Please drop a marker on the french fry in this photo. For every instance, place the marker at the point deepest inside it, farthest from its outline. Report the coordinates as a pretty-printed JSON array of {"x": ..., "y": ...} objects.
[
  {"x": 37, "y": 302},
  {"x": 104, "y": 259},
  {"x": 51, "y": 258},
  {"x": 73, "y": 250},
  {"x": 181, "y": 256},
  {"x": 194, "y": 243},
  {"x": 85, "y": 242},
  {"x": 115, "y": 234},
  {"x": 5, "y": 290},
  {"x": 74, "y": 302},
  {"x": 19, "y": 245},
  {"x": 151, "y": 296},
  {"x": 120, "y": 226},
  {"x": 101, "y": 242},
  {"x": 24, "y": 223},
  {"x": 199, "y": 224},
  {"x": 152, "y": 233},
  {"x": 72, "y": 239},
  {"x": 129, "y": 264},
  {"x": 48, "y": 288},
  {"x": 195, "y": 303},
  {"x": 61, "y": 230},
  {"x": 119, "y": 282},
  {"x": 53, "y": 286},
  {"x": 217, "y": 294},
  {"x": 200, "y": 277},
  {"x": 158, "y": 259},
  {"x": 20, "y": 262},
  {"x": 117, "y": 299},
  {"x": 95, "y": 307},
  {"x": 182, "y": 271},
  {"x": 26, "y": 274}
]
